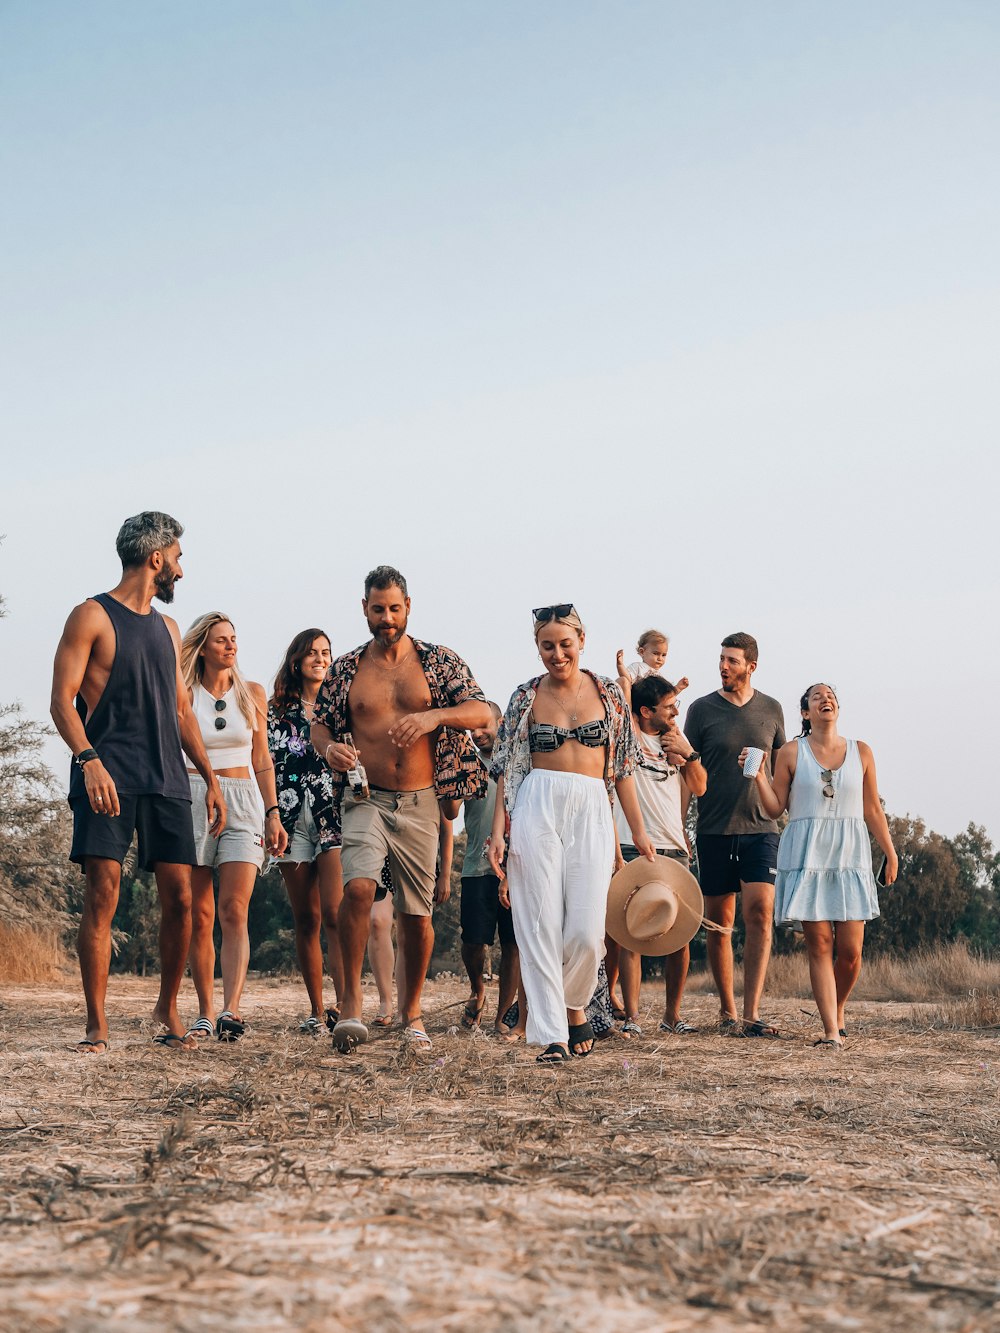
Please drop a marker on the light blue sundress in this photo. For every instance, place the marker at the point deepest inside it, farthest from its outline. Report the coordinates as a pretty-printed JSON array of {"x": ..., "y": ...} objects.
[{"x": 824, "y": 857}]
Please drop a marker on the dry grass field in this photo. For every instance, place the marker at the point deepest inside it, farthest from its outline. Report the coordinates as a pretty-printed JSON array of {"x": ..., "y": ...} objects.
[{"x": 669, "y": 1183}]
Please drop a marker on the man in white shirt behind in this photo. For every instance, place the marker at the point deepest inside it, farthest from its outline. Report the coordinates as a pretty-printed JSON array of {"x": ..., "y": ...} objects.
[{"x": 669, "y": 774}]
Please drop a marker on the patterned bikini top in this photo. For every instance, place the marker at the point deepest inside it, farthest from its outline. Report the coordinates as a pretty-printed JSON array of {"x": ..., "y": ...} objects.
[{"x": 543, "y": 737}]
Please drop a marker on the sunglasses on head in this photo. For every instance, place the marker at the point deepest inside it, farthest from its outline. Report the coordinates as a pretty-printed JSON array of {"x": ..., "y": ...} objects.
[
  {"x": 220, "y": 722},
  {"x": 827, "y": 775},
  {"x": 557, "y": 612}
]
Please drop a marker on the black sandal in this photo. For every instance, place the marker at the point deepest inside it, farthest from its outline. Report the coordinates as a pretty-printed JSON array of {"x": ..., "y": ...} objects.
[
  {"x": 554, "y": 1054},
  {"x": 578, "y": 1034},
  {"x": 228, "y": 1027}
]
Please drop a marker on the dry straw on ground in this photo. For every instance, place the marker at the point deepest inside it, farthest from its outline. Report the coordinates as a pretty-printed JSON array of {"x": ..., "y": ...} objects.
[{"x": 667, "y": 1184}]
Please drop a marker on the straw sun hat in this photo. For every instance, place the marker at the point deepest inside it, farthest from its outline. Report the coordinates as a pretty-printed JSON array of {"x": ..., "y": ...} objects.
[{"x": 654, "y": 907}]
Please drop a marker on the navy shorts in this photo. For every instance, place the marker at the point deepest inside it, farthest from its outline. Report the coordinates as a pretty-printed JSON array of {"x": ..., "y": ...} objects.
[
  {"x": 727, "y": 861},
  {"x": 163, "y": 823},
  {"x": 481, "y": 915},
  {"x": 630, "y": 853}
]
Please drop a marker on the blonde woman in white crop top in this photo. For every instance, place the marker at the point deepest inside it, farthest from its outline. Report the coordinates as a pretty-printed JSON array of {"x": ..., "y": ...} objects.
[{"x": 232, "y": 715}]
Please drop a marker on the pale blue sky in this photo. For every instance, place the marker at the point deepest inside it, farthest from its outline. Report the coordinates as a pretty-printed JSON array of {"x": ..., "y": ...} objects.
[{"x": 688, "y": 313}]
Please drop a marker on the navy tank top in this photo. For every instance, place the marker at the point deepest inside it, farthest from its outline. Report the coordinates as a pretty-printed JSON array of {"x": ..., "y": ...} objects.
[{"x": 134, "y": 726}]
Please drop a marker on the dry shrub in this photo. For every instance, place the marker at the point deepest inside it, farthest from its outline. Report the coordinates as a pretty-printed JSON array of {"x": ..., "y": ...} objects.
[
  {"x": 929, "y": 975},
  {"x": 980, "y": 1010},
  {"x": 926, "y": 976},
  {"x": 29, "y": 955}
]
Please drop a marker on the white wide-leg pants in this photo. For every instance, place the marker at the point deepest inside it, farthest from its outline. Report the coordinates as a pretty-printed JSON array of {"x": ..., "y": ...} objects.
[{"x": 562, "y": 850}]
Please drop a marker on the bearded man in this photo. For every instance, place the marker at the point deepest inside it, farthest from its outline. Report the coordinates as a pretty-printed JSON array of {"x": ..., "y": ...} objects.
[
  {"x": 737, "y": 843},
  {"x": 407, "y": 706},
  {"x": 120, "y": 704}
]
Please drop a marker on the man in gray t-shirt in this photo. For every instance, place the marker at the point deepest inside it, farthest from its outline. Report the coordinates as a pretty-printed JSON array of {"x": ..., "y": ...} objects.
[
  {"x": 483, "y": 916},
  {"x": 737, "y": 843}
]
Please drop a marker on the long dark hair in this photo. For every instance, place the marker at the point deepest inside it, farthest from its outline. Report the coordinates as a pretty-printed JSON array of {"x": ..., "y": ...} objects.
[
  {"x": 288, "y": 677},
  {"x": 804, "y": 704}
]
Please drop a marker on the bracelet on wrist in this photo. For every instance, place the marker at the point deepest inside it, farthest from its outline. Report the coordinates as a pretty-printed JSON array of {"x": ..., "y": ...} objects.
[
  {"x": 85, "y": 756},
  {"x": 270, "y": 810}
]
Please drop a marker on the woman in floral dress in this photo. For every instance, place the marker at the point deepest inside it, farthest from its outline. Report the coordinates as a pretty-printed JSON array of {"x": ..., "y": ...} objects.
[{"x": 311, "y": 866}]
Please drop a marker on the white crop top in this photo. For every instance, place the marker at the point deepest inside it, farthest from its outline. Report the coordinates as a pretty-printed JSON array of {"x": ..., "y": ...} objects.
[{"x": 230, "y": 746}]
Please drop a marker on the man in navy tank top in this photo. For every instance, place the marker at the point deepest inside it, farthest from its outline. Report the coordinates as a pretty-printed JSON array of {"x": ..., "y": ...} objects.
[{"x": 119, "y": 703}]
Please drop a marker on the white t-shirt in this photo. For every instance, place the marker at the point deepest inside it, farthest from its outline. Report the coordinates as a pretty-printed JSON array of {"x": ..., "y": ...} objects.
[
  {"x": 658, "y": 787},
  {"x": 638, "y": 670}
]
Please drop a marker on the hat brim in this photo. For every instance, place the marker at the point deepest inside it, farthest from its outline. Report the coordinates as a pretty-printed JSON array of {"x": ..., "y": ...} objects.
[{"x": 690, "y": 905}]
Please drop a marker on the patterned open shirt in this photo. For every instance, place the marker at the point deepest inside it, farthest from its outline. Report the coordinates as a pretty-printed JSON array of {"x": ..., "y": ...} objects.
[
  {"x": 300, "y": 775},
  {"x": 459, "y": 773},
  {"x": 512, "y": 757}
]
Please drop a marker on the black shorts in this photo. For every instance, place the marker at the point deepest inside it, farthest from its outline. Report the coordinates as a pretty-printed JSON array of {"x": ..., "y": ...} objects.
[
  {"x": 727, "y": 861},
  {"x": 163, "y": 824},
  {"x": 630, "y": 853},
  {"x": 481, "y": 915}
]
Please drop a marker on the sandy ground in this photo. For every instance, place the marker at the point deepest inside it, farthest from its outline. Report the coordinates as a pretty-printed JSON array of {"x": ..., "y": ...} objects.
[{"x": 663, "y": 1184}]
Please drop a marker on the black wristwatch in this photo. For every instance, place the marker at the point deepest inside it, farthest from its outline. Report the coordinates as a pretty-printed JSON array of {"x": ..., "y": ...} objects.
[
  {"x": 85, "y": 756},
  {"x": 695, "y": 754}
]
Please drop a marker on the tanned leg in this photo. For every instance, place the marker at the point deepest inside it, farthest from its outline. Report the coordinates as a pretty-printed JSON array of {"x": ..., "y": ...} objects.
[
  {"x": 331, "y": 895},
  {"x": 93, "y": 941},
  {"x": 474, "y": 958},
  {"x": 201, "y": 955},
  {"x": 721, "y": 908},
  {"x": 510, "y": 980},
  {"x": 758, "y": 916},
  {"x": 354, "y": 922},
  {"x": 416, "y": 938},
  {"x": 381, "y": 955},
  {"x": 675, "y": 970},
  {"x": 611, "y": 967},
  {"x": 850, "y": 938},
  {"x": 236, "y": 881},
  {"x": 819, "y": 942},
  {"x": 302, "y": 887},
  {"x": 630, "y": 970},
  {"x": 173, "y": 883}
]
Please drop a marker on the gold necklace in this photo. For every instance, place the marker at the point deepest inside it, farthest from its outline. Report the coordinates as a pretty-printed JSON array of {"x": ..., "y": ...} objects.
[
  {"x": 576, "y": 702},
  {"x": 382, "y": 667}
]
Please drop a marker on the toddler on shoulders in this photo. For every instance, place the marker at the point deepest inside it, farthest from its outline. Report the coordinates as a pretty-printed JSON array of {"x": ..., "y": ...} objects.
[{"x": 652, "y": 648}]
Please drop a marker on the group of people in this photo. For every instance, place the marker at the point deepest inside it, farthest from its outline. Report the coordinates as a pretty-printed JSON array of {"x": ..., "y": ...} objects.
[{"x": 350, "y": 774}]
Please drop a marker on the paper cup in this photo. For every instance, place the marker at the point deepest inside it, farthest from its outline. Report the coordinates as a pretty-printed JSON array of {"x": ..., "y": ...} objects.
[{"x": 753, "y": 762}]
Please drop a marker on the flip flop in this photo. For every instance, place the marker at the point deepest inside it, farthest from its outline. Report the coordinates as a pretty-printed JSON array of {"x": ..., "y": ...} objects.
[
  {"x": 471, "y": 1016},
  {"x": 228, "y": 1027},
  {"x": 554, "y": 1054},
  {"x": 383, "y": 1020},
  {"x": 758, "y": 1028},
  {"x": 202, "y": 1029},
  {"x": 88, "y": 1047},
  {"x": 173, "y": 1041},
  {"x": 579, "y": 1033},
  {"x": 630, "y": 1029},
  {"x": 417, "y": 1038},
  {"x": 332, "y": 1018},
  {"x": 830, "y": 1041},
  {"x": 730, "y": 1027},
  {"x": 311, "y": 1026},
  {"x": 680, "y": 1028},
  {"x": 348, "y": 1033}
]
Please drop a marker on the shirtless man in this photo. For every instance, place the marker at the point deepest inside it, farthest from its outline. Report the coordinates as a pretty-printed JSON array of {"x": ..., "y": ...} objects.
[
  {"x": 119, "y": 703},
  {"x": 407, "y": 705}
]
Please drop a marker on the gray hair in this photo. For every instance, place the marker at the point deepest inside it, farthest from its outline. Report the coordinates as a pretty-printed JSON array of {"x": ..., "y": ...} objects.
[
  {"x": 382, "y": 577},
  {"x": 142, "y": 534}
]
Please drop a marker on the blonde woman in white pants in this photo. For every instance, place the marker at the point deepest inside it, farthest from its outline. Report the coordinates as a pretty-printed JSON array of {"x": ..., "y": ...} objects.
[{"x": 565, "y": 748}]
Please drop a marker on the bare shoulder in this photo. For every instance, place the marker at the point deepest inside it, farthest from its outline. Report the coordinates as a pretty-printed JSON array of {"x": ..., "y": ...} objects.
[
  {"x": 257, "y": 690},
  {"x": 86, "y": 621},
  {"x": 172, "y": 629},
  {"x": 865, "y": 751}
]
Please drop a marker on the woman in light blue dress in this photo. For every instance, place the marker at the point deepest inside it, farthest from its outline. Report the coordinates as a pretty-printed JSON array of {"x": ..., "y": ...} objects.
[{"x": 828, "y": 785}]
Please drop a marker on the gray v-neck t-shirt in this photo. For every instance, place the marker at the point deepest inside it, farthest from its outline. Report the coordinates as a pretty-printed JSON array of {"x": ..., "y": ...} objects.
[{"x": 720, "y": 730}]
